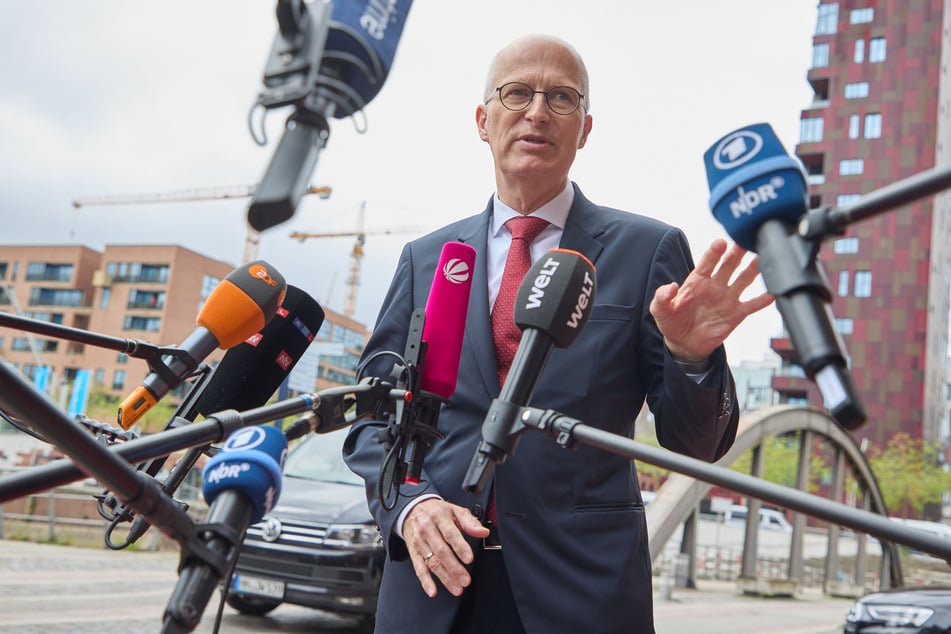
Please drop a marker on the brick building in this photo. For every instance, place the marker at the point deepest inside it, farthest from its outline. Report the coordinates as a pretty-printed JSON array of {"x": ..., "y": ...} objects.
[{"x": 880, "y": 113}]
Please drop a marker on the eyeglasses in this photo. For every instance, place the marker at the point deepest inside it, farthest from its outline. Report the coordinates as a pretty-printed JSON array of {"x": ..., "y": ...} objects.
[{"x": 518, "y": 96}]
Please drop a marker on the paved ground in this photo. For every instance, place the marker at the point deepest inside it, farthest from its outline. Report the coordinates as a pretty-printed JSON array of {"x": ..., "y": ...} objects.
[{"x": 48, "y": 589}]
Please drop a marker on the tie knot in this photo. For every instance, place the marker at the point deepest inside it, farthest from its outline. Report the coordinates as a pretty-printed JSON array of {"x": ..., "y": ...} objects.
[{"x": 525, "y": 227}]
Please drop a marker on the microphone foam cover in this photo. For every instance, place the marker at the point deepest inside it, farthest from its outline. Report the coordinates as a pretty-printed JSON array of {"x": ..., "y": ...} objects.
[
  {"x": 752, "y": 179},
  {"x": 250, "y": 372},
  {"x": 250, "y": 461},
  {"x": 556, "y": 296},
  {"x": 242, "y": 303},
  {"x": 446, "y": 318}
]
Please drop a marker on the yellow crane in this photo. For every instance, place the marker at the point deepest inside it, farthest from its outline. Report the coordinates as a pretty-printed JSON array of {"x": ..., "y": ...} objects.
[
  {"x": 356, "y": 255},
  {"x": 196, "y": 193}
]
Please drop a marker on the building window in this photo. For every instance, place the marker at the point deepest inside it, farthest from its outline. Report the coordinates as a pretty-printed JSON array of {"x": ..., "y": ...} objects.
[
  {"x": 810, "y": 130},
  {"x": 876, "y": 49},
  {"x": 844, "y": 326},
  {"x": 46, "y": 272},
  {"x": 146, "y": 299},
  {"x": 118, "y": 380},
  {"x": 863, "y": 283},
  {"x": 3, "y": 270},
  {"x": 56, "y": 297},
  {"x": 828, "y": 21},
  {"x": 149, "y": 324},
  {"x": 122, "y": 357},
  {"x": 820, "y": 55},
  {"x": 854, "y": 126},
  {"x": 873, "y": 125},
  {"x": 859, "y": 56},
  {"x": 4, "y": 298},
  {"x": 22, "y": 344},
  {"x": 104, "y": 298},
  {"x": 208, "y": 284},
  {"x": 861, "y": 16},
  {"x": 857, "y": 90},
  {"x": 99, "y": 377},
  {"x": 844, "y": 200},
  {"x": 845, "y": 245},
  {"x": 843, "y": 283},
  {"x": 851, "y": 167}
]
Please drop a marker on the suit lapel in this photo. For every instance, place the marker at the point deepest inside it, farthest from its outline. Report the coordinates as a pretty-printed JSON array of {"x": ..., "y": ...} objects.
[{"x": 478, "y": 341}]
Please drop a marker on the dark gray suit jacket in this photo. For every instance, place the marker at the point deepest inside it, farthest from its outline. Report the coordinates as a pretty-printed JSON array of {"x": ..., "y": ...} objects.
[{"x": 572, "y": 522}]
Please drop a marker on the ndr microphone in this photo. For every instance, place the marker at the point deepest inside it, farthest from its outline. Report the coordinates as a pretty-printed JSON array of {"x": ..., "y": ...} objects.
[
  {"x": 237, "y": 308},
  {"x": 442, "y": 336},
  {"x": 241, "y": 483},
  {"x": 759, "y": 194},
  {"x": 552, "y": 305}
]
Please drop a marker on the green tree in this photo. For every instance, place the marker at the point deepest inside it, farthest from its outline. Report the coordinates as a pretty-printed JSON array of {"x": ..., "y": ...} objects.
[{"x": 909, "y": 474}]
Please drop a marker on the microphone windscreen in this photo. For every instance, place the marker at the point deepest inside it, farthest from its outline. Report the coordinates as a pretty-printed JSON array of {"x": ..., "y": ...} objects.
[
  {"x": 361, "y": 45},
  {"x": 556, "y": 296},
  {"x": 446, "y": 318},
  {"x": 250, "y": 372},
  {"x": 752, "y": 179},
  {"x": 250, "y": 462},
  {"x": 242, "y": 303}
]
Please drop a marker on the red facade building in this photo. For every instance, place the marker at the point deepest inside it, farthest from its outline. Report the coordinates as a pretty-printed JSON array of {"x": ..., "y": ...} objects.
[{"x": 881, "y": 113}]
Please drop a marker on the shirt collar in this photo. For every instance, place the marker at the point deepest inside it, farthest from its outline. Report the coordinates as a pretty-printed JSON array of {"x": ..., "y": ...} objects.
[{"x": 555, "y": 211}]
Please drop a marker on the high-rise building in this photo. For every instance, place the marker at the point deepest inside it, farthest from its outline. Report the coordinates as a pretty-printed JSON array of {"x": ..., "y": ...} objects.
[{"x": 880, "y": 113}]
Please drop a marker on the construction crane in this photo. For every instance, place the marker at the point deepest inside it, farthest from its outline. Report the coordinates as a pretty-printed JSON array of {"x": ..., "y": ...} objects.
[
  {"x": 196, "y": 193},
  {"x": 356, "y": 255}
]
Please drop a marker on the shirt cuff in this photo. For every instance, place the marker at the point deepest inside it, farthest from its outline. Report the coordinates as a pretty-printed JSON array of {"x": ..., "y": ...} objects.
[{"x": 398, "y": 528}]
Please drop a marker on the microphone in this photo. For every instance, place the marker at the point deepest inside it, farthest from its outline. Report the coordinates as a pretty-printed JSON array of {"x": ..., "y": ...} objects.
[
  {"x": 250, "y": 372},
  {"x": 553, "y": 304},
  {"x": 327, "y": 61},
  {"x": 759, "y": 194},
  {"x": 440, "y": 351},
  {"x": 238, "y": 307},
  {"x": 241, "y": 483},
  {"x": 247, "y": 376}
]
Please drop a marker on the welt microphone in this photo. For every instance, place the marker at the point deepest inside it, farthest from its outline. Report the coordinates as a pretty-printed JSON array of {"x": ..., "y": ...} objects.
[
  {"x": 758, "y": 193},
  {"x": 237, "y": 308},
  {"x": 553, "y": 304},
  {"x": 442, "y": 335}
]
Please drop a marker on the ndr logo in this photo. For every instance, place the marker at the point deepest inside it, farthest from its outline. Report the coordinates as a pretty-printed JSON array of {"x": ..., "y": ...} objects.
[{"x": 737, "y": 148}]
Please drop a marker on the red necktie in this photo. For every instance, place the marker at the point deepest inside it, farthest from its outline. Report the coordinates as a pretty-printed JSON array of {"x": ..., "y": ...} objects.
[{"x": 524, "y": 230}]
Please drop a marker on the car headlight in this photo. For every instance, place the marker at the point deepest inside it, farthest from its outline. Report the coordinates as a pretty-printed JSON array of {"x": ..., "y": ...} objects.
[
  {"x": 889, "y": 615},
  {"x": 353, "y": 536}
]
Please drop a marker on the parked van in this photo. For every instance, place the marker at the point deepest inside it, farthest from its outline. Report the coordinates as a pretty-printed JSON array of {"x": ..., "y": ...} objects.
[{"x": 769, "y": 519}]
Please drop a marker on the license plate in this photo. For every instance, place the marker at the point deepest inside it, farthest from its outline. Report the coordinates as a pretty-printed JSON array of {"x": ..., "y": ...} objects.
[{"x": 258, "y": 586}]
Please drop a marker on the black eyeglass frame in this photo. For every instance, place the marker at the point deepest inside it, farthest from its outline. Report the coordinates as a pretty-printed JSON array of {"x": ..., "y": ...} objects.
[{"x": 498, "y": 91}]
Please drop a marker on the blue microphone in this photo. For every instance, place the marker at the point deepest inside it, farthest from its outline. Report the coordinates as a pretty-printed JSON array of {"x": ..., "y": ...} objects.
[
  {"x": 249, "y": 463},
  {"x": 241, "y": 483},
  {"x": 327, "y": 60},
  {"x": 759, "y": 194}
]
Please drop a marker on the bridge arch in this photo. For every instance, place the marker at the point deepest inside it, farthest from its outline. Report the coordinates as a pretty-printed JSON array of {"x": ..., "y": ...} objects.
[{"x": 678, "y": 499}]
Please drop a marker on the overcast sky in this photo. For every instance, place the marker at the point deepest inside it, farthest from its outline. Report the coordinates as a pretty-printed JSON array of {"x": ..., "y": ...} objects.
[{"x": 107, "y": 98}]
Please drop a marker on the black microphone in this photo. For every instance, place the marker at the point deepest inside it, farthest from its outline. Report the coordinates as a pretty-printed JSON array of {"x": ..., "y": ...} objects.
[
  {"x": 553, "y": 304},
  {"x": 250, "y": 373},
  {"x": 247, "y": 377},
  {"x": 759, "y": 194},
  {"x": 241, "y": 483},
  {"x": 239, "y": 306},
  {"x": 326, "y": 61}
]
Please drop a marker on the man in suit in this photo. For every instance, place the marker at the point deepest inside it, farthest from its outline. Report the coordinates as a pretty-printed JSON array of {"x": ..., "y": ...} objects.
[{"x": 567, "y": 550}]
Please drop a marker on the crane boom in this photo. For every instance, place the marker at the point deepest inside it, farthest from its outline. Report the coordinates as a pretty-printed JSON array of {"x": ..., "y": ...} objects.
[{"x": 253, "y": 238}]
